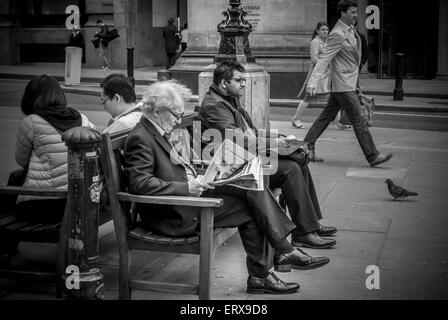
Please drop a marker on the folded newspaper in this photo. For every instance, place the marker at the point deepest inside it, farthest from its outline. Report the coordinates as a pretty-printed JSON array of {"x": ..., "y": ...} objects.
[{"x": 232, "y": 165}]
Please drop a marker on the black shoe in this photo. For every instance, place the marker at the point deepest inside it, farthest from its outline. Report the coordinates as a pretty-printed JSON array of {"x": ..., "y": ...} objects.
[
  {"x": 381, "y": 158},
  {"x": 298, "y": 260},
  {"x": 270, "y": 284},
  {"x": 326, "y": 231},
  {"x": 312, "y": 240}
]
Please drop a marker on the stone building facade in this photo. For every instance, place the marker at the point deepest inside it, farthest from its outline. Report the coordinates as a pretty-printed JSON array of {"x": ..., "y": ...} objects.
[{"x": 34, "y": 31}]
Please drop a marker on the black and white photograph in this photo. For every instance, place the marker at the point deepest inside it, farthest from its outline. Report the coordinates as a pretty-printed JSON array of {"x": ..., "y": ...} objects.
[{"x": 113, "y": 110}]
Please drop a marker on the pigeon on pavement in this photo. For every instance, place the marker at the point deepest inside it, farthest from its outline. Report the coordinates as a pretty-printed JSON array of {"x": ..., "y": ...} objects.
[{"x": 398, "y": 192}]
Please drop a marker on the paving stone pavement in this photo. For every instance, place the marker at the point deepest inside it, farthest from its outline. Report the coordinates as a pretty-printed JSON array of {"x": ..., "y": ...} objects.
[{"x": 407, "y": 240}]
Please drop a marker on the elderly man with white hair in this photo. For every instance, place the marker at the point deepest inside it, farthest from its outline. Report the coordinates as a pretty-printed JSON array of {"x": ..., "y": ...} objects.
[{"x": 151, "y": 171}]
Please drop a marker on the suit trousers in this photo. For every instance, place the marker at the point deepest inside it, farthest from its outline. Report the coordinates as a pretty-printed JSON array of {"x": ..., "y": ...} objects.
[
  {"x": 349, "y": 102},
  {"x": 261, "y": 223},
  {"x": 300, "y": 194}
]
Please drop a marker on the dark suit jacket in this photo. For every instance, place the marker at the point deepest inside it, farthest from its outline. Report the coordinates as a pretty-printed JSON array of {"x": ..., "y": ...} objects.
[
  {"x": 76, "y": 40},
  {"x": 220, "y": 112},
  {"x": 151, "y": 172},
  {"x": 171, "y": 40}
]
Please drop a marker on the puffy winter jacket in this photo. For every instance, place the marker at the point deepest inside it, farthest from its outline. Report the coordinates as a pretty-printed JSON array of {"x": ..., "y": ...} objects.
[{"x": 40, "y": 147}]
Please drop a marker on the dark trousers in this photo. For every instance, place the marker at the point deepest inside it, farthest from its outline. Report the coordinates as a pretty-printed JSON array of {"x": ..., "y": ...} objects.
[
  {"x": 349, "y": 102},
  {"x": 171, "y": 59},
  {"x": 300, "y": 194},
  {"x": 260, "y": 221}
]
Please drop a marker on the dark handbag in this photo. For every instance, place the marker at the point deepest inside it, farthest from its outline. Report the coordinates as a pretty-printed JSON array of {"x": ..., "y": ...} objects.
[
  {"x": 112, "y": 34},
  {"x": 96, "y": 43}
]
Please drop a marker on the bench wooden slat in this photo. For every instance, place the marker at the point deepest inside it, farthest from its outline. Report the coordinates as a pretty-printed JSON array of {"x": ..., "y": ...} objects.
[
  {"x": 9, "y": 220},
  {"x": 171, "y": 200},
  {"x": 42, "y": 192},
  {"x": 150, "y": 237},
  {"x": 16, "y": 226}
]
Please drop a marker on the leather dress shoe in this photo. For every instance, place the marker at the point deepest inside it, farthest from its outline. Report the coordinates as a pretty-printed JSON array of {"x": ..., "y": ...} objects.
[
  {"x": 270, "y": 284},
  {"x": 326, "y": 231},
  {"x": 296, "y": 124},
  {"x": 381, "y": 158},
  {"x": 299, "y": 260},
  {"x": 312, "y": 240}
]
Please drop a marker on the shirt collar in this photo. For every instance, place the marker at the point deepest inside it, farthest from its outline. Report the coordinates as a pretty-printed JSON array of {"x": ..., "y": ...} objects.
[
  {"x": 158, "y": 128},
  {"x": 346, "y": 26},
  {"x": 127, "y": 111}
]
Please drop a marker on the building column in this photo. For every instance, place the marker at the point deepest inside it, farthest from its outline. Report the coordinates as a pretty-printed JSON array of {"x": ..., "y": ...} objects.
[{"x": 442, "y": 70}]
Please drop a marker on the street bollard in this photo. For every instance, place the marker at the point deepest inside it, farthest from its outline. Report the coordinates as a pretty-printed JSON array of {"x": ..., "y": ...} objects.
[
  {"x": 131, "y": 65},
  {"x": 83, "y": 280},
  {"x": 399, "y": 70}
]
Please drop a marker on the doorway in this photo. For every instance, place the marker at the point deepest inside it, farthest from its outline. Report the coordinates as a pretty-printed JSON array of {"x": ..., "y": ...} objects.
[{"x": 410, "y": 28}]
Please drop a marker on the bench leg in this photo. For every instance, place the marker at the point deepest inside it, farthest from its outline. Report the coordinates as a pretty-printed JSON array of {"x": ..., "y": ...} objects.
[
  {"x": 205, "y": 259},
  {"x": 124, "y": 276}
]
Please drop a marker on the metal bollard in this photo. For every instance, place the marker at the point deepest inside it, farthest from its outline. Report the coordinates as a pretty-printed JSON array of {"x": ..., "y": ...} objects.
[
  {"x": 399, "y": 70},
  {"x": 131, "y": 65},
  {"x": 83, "y": 280}
]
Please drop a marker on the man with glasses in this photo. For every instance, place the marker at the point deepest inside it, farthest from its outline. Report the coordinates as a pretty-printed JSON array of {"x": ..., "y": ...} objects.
[
  {"x": 221, "y": 110},
  {"x": 118, "y": 98},
  {"x": 153, "y": 168}
]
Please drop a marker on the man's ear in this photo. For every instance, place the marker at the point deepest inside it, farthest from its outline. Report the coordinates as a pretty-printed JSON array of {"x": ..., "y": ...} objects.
[
  {"x": 223, "y": 83},
  {"x": 118, "y": 97}
]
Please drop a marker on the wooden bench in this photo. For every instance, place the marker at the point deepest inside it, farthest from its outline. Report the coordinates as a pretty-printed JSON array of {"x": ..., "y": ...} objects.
[
  {"x": 14, "y": 227},
  {"x": 132, "y": 236}
]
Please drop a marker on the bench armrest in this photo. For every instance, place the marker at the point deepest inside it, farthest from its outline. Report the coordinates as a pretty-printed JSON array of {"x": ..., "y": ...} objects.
[
  {"x": 42, "y": 192},
  {"x": 171, "y": 200}
]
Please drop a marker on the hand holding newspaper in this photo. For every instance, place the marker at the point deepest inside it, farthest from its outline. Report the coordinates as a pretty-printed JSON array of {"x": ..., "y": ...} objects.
[{"x": 234, "y": 166}]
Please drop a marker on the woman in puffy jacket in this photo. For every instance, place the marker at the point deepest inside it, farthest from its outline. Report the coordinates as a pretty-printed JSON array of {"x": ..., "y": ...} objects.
[{"x": 39, "y": 149}]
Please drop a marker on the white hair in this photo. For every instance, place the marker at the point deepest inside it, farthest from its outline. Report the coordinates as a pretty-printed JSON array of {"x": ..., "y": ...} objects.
[{"x": 165, "y": 94}]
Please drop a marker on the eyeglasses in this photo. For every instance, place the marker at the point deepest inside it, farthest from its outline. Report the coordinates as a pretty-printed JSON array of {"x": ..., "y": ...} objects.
[
  {"x": 177, "y": 116},
  {"x": 238, "y": 80},
  {"x": 104, "y": 101}
]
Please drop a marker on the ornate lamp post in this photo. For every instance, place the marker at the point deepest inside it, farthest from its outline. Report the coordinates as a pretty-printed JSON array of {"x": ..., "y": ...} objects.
[
  {"x": 234, "y": 47},
  {"x": 234, "y": 30}
]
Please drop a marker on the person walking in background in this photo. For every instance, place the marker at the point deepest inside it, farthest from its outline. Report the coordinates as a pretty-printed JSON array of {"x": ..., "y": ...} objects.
[
  {"x": 170, "y": 34},
  {"x": 342, "y": 119},
  {"x": 103, "y": 36},
  {"x": 343, "y": 53},
  {"x": 184, "y": 37},
  {"x": 317, "y": 47}
]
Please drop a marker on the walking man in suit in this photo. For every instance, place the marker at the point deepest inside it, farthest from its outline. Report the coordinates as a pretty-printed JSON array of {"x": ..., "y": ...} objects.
[
  {"x": 154, "y": 168},
  {"x": 343, "y": 53}
]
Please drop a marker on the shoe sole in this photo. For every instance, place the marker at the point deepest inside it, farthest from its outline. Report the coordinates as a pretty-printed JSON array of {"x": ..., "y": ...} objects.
[
  {"x": 289, "y": 267},
  {"x": 304, "y": 245},
  {"x": 264, "y": 291},
  {"x": 373, "y": 165}
]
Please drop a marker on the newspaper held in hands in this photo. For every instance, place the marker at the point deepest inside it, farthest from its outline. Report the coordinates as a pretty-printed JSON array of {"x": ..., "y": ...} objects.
[{"x": 233, "y": 166}]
